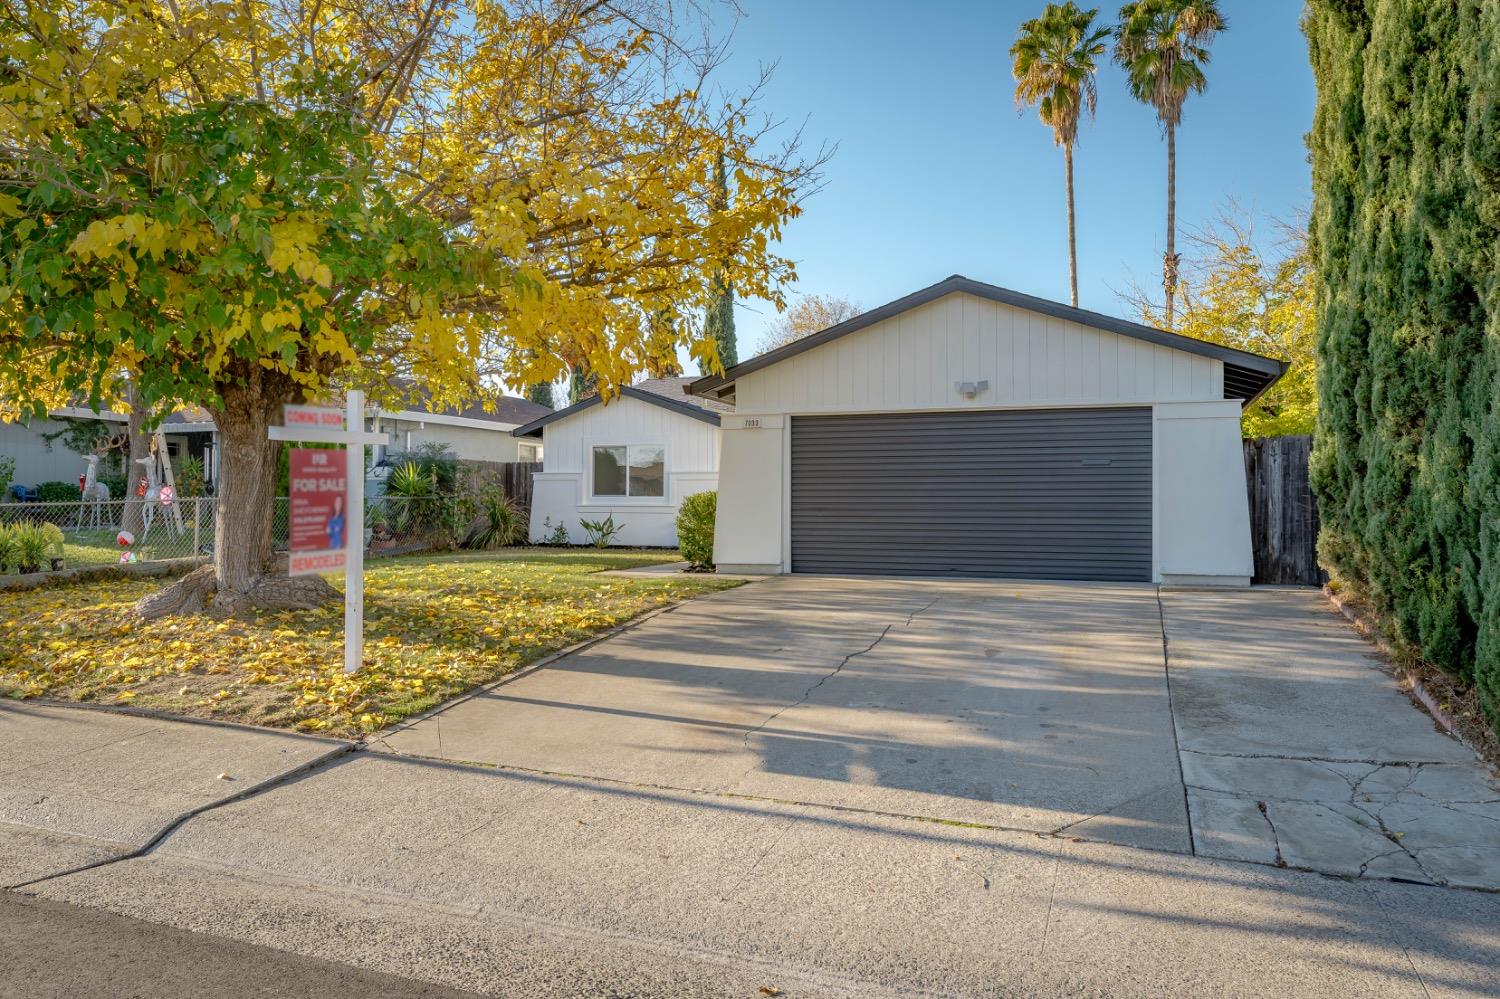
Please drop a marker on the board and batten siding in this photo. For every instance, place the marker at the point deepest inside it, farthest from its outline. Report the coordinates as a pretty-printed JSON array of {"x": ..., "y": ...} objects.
[
  {"x": 562, "y": 490},
  {"x": 692, "y": 445},
  {"x": 913, "y": 360}
]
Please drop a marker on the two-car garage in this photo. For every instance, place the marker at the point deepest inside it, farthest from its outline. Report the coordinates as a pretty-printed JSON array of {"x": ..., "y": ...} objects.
[
  {"x": 1034, "y": 494},
  {"x": 969, "y": 430}
]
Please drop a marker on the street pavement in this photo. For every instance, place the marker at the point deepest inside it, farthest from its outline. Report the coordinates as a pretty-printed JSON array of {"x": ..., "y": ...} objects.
[{"x": 840, "y": 788}]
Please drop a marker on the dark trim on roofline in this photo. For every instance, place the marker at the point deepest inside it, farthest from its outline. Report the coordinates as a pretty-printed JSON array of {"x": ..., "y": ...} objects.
[
  {"x": 534, "y": 428},
  {"x": 1254, "y": 372}
]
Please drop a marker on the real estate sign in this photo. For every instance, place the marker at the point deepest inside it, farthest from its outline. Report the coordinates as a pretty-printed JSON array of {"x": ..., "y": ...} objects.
[{"x": 319, "y": 536}]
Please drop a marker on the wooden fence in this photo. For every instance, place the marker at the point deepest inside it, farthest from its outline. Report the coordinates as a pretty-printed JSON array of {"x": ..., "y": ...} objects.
[
  {"x": 513, "y": 477},
  {"x": 1283, "y": 512}
]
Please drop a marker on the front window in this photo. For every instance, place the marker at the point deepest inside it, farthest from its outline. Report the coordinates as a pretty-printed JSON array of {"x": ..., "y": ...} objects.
[{"x": 633, "y": 470}]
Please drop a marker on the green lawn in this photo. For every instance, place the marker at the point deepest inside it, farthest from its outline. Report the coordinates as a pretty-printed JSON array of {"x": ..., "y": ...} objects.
[{"x": 435, "y": 627}]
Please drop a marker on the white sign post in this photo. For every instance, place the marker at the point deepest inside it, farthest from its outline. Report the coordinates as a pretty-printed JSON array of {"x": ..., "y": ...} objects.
[{"x": 317, "y": 425}]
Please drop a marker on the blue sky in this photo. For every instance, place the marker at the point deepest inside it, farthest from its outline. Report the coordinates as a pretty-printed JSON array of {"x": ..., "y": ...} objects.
[{"x": 936, "y": 173}]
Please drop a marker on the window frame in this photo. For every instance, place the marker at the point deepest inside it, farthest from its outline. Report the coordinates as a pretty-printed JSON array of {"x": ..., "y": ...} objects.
[{"x": 595, "y": 497}]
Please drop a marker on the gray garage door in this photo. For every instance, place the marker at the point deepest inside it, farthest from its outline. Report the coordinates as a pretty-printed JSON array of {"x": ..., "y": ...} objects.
[{"x": 1038, "y": 494}]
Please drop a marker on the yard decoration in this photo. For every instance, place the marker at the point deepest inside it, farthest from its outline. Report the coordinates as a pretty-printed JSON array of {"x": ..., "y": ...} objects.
[
  {"x": 93, "y": 495},
  {"x": 305, "y": 197}
]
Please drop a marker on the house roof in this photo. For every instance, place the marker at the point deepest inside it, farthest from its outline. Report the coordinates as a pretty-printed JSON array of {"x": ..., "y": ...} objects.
[
  {"x": 668, "y": 393},
  {"x": 507, "y": 409},
  {"x": 1246, "y": 375}
]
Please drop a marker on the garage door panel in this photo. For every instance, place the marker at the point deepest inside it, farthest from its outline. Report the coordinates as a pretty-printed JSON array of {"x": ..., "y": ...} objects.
[{"x": 1027, "y": 493}]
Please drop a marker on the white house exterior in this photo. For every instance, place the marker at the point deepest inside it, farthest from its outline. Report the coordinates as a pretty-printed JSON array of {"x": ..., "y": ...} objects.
[
  {"x": 970, "y": 430},
  {"x": 634, "y": 458},
  {"x": 473, "y": 433},
  {"x": 38, "y": 460}
]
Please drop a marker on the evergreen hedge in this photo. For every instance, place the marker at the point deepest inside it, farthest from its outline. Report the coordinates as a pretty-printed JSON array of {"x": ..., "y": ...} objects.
[{"x": 1405, "y": 150}]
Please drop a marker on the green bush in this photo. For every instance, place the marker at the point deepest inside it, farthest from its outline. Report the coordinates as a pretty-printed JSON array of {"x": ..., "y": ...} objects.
[
  {"x": 57, "y": 492},
  {"x": 30, "y": 543},
  {"x": 695, "y": 528},
  {"x": 1405, "y": 149},
  {"x": 8, "y": 551},
  {"x": 114, "y": 483},
  {"x": 7, "y": 474},
  {"x": 190, "y": 477}
]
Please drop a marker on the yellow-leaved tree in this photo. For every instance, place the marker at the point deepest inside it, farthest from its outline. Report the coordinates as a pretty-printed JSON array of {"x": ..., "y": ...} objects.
[
  {"x": 244, "y": 204},
  {"x": 1235, "y": 293}
]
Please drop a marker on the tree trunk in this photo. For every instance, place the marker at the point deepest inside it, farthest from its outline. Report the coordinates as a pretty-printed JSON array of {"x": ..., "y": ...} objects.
[
  {"x": 243, "y": 577},
  {"x": 132, "y": 514},
  {"x": 1169, "y": 260},
  {"x": 1072, "y": 229}
]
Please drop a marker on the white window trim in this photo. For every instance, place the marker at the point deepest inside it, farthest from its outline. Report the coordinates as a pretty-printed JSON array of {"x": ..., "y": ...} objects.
[{"x": 596, "y": 499}]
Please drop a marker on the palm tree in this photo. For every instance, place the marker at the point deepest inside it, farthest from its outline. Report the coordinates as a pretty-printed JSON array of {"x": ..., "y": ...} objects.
[
  {"x": 1163, "y": 46},
  {"x": 1054, "y": 69}
]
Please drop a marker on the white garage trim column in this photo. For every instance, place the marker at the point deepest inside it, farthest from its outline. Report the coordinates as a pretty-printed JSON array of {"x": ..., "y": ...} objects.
[
  {"x": 750, "y": 529},
  {"x": 1202, "y": 509}
]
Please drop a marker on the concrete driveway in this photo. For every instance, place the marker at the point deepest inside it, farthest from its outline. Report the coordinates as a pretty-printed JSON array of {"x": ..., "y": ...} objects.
[
  {"x": 1251, "y": 725},
  {"x": 1019, "y": 706}
]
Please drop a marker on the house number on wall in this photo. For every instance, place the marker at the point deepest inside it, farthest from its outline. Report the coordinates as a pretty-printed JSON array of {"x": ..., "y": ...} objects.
[{"x": 751, "y": 424}]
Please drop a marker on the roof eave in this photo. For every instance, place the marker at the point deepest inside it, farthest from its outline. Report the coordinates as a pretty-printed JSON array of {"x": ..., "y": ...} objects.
[{"x": 688, "y": 409}]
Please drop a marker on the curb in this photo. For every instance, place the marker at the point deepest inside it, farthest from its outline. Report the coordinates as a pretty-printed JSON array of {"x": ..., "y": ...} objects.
[
  {"x": 1418, "y": 690},
  {"x": 104, "y": 571},
  {"x": 173, "y": 825}
]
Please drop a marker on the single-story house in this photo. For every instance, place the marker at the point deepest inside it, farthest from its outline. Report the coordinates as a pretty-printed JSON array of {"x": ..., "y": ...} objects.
[
  {"x": 471, "y": 432},
  {"x": 971, "y": 430},
  {"x": 633, "y": 458},
  {"x": 188, "y": 432}
]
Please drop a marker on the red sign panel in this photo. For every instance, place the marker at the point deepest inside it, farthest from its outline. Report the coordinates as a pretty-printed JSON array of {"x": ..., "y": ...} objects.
[
  {"x": 315, "y": 417},
  {"x": 319, "y": 541}
]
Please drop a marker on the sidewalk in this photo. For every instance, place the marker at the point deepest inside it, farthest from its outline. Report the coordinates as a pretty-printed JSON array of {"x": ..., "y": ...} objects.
[
  {"x": 79, "y": 786},
  {"x": 517, "y": 883}
]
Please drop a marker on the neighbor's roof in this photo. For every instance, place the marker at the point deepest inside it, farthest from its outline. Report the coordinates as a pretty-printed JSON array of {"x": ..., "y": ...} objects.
[
  {"x": 505, "y": 409},
  {"x": 668, "y": 393},
  {"x": 1246, "y": 375}
]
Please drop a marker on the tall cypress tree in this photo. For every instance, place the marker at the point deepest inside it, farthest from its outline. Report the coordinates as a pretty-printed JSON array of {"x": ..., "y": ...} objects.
[
  {"x": 541, "y": 394},
  {"x": 1406, "y": 220},
  {"x": 719, "y": 321},
  {"x": 582, "y": 383}
]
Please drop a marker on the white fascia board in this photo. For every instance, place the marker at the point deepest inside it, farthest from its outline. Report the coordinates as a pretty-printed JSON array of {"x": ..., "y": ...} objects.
[{"x": 443, "y": 419}]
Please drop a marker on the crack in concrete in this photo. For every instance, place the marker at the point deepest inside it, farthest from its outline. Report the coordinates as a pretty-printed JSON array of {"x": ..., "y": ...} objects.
[
  {"x": 1395, "y": 838},
  {"x": 1051, "y": 899},
  {"x": 821, "y": 680},
  {"x": 1166, "y": 670},
  {"x": 806, "y": 694},
  {"x": 1265, "y": 813},
  {"x": 780, "y": 833},
  {"x": 1322, "y": 759}
]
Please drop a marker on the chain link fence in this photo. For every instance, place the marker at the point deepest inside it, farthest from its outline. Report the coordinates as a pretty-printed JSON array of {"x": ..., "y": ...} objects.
[{"x": 90, "y": 530}]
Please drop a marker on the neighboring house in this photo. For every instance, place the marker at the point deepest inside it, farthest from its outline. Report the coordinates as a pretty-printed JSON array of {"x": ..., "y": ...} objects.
[
  {"x": 971, "y": 430},
  {"x": 37, "y": 460},
  {"x": 634, "y": 458},
  {"x": 471, "y": 432}
]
